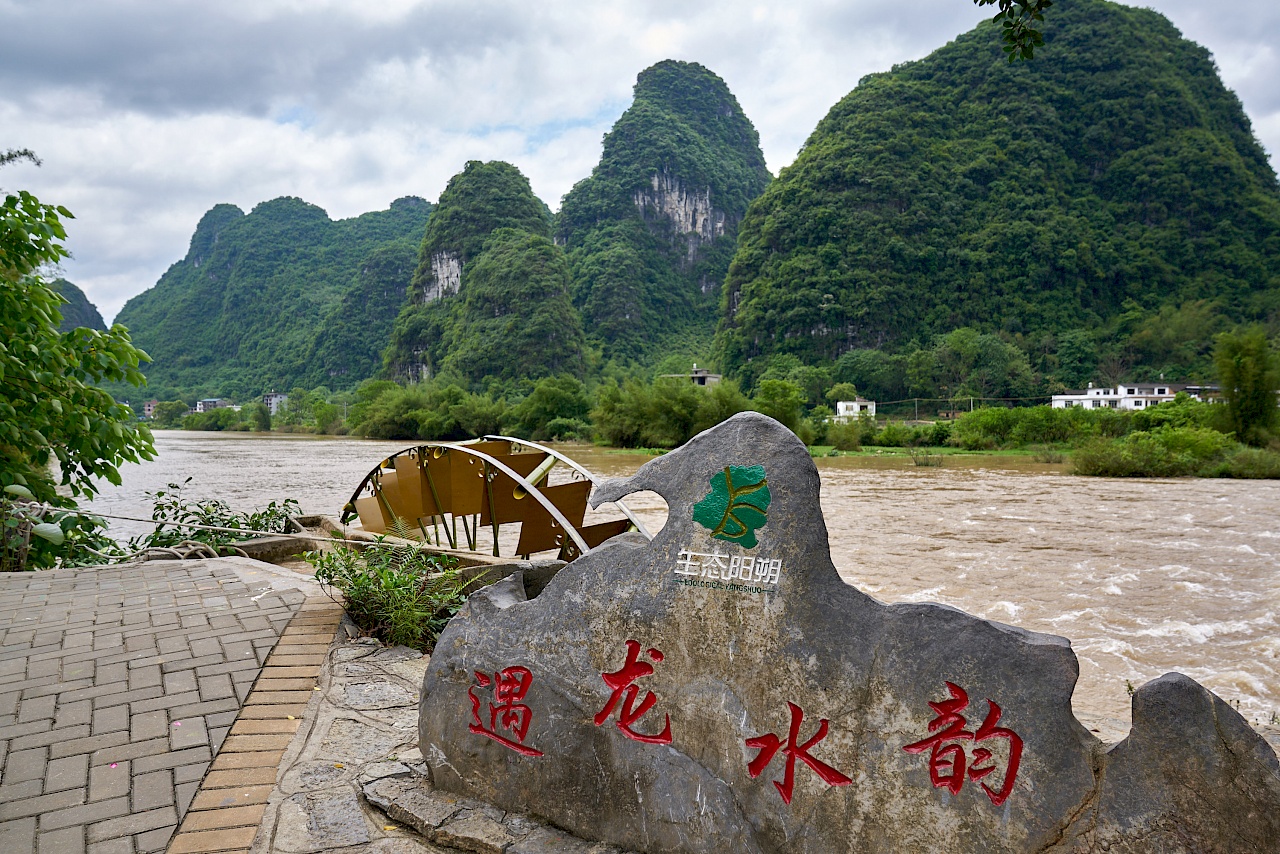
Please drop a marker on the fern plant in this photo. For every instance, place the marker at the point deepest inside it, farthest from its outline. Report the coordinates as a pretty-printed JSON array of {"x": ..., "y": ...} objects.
[{"x": 399, "y": 594}]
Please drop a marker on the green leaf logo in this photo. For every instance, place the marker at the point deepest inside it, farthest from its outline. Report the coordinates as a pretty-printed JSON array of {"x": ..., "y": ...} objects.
[{"x": 736, "y": 506}]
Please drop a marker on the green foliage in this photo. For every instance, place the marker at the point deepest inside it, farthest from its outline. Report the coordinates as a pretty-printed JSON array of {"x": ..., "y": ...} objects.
[
  {"x": 258, "y": 299},
  {"x": 260, "y": 416},
  {"x": 557, "y": 406},
  {"x": 399, "y": 594},
  {"x": 50, "y": 406},
  {"x": 515, "y": 319},
  {"x": 349, "y": 343},
  {"x": 478, "y": 201},
  {"x": 780, "y": 399},
  {"x": 223, "y": 418},
  {"x": 170, "y": 413},
  {"x": 662, "y": 414},
  {"x": 76, "y": 308},
  {"x": 640, "y": 280},
  {"x": 1251, "y": 463},
  {"x": 1110, "y": 193},
  {"x": 1165, "y": 452},
  {"x": 1249, "y": 375},
  {"x": 512, "y": 316},
  {"x": 170, "y": 505},
  {"x": 1017, "y": 19}
]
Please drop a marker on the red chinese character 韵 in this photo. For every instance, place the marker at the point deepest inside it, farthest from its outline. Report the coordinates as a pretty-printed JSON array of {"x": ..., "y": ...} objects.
[{"x": 948, "y": 763}]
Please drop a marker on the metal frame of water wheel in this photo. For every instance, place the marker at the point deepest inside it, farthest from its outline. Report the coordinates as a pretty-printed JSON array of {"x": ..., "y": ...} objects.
[{"x": 570, "y": 530}]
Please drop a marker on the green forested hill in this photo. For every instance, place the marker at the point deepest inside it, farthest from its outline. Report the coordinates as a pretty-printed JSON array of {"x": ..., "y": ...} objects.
[
  {"x": 490, "y": 297},
  {"x": 77, "y": 311},
  {"x": 275, "y": 297},
  {"x": 1104, "y": 206},
  {"x": 649, "y": 234}
]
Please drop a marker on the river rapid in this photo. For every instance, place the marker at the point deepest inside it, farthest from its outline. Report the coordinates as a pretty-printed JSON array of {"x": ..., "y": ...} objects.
[{"x": 1143, "y": 576}]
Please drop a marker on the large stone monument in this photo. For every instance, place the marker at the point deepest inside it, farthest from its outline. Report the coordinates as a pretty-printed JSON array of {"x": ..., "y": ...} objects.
[{"x": 722, "y": 689}]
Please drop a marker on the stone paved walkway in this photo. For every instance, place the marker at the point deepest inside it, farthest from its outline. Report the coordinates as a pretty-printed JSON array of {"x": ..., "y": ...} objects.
[{"x": 117, "y": 688}]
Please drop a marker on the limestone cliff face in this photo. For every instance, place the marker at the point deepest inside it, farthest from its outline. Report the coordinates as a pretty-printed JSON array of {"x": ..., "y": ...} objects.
[
  {"x": 690, "y": 212},
  {"x": 446, "y": 276}
]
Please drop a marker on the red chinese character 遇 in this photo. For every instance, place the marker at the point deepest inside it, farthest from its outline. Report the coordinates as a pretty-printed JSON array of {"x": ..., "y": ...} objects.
[
  {"x": 621, "y": 682},
  {"x": 769, "y": 745},
  {"x": 507, "y": 712},
  {"x": 947, "y": 760}
]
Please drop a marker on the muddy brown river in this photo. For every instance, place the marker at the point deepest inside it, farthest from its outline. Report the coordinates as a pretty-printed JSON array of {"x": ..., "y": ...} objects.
[{"x": 1143, "y": 576}]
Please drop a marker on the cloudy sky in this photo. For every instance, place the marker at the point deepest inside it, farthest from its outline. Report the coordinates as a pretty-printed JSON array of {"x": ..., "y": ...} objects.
[{"x": 148, "y": 112}]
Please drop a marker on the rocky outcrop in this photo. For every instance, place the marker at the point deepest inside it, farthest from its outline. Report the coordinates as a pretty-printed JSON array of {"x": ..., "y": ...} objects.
[
  {"x": 721, "y": 688},
  {"x": 690, "y": 213},
  {"x": 446, "y": 276}
]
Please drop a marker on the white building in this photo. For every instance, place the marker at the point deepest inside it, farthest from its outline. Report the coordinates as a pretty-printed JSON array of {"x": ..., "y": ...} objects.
[
  {"x": 847, "y": 409},
  {"x": 698, "y": 376},
  {"x": 275, "y": 401},
  {"x": 1130, "y": 395},
  {"x": 211, "y": 403}
]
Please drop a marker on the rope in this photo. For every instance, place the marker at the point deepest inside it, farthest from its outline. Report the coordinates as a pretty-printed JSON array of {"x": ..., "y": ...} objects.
[{"x": 48, "y": 508}]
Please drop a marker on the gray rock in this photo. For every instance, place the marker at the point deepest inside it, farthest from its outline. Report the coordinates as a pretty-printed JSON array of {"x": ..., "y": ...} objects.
[
  {"x": 377, "y": 695},
  {"x": 548, "y": 840},
  {"x": 474, "y": 830},
  {"x": 378, "y": 770},
  {"x": 320, "y": 821},
  {"x": 411, "y": 803},
  {"x": 351, "y": 740},
  {"x": 313, "y": 776},
  {"x": 1192, "y": 776},
  {"x": 781, "y": 711},
  {"x": 352, "y": 650}
]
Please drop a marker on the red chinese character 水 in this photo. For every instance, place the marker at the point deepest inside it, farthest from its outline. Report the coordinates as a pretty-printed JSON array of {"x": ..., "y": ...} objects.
[
  {"x": 947, "y": 758},
  {"x": 506, "y": 712},
  {"x": 621, "y": 682},
  {"x": 769, "y": 745}
]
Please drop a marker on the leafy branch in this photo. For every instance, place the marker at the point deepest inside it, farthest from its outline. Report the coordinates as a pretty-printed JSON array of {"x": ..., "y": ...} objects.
[{"x": 1018, "y": 18}]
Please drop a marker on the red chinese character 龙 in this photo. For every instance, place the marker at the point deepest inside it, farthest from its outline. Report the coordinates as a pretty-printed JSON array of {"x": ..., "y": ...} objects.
[
  {"x": 621, "y": 682},
  {"x": 770, "y": 743},
  {"x": 947, "y": 760},
  {"x": 507, "y": 712}
]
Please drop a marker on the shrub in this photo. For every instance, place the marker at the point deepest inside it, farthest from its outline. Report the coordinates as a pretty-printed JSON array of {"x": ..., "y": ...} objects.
[
  {"x": 894, "y": 434},
  {"x": 846, "y": 436},
  {"x": 399, "y": 594},
  {"x": 1167, "y": 452},
  {"x": 1252, "y": 463}
]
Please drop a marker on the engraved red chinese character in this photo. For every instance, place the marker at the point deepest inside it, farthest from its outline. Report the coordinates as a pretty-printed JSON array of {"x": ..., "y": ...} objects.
[
  {"x": 506, "y": 712},
  {"x": 769, "y": 745},
  {"x": 621, "y": 681},
  {"x": 947, "y": 759}
]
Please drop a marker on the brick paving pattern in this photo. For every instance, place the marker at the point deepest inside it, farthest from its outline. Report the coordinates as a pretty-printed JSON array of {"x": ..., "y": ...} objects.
[
  {"x": 117, "y": 689},
  {"x": 228, "y": 809}
]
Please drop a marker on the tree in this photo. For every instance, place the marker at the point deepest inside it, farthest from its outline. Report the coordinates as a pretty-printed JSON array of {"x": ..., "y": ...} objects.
[
  {"x": 1249, "y": 374},
  {"x": 780, "y": 399},
  {"x": 260, "y": 415},
  {"x": 50, "y": 407},
  {"x": 1018, "y": 17},
  {"x": 170, "y": 413}
]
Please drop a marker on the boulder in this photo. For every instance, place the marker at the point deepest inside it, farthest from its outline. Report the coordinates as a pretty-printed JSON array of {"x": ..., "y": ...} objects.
[{"x": 721, "y": 688}]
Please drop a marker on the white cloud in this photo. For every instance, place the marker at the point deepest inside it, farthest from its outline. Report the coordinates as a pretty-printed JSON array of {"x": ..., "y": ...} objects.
[{"x": 147, "y": 113}]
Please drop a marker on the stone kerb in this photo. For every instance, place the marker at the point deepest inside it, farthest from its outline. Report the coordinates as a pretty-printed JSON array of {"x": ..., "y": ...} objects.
[{"x": 722, "y": 688}]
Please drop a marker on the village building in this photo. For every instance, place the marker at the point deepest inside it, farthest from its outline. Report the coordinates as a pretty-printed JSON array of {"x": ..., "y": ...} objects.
[
  {"x": 275, "y": 401},
  {"x": 211, "y": 403},
  {"x": 1131, "y": 395},
  {"x": 149, "y": 408},
  {"x": 698, "y": 376},
  {"x": 853, "y": 409}
]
